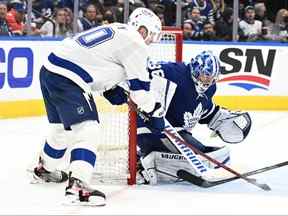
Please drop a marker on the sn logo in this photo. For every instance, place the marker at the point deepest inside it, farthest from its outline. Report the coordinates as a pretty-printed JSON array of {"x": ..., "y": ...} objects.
[{"x": 230, "y": 57}]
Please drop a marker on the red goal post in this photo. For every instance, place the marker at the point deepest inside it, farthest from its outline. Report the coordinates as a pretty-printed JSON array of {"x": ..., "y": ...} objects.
[{"x": 178, "y": 34}]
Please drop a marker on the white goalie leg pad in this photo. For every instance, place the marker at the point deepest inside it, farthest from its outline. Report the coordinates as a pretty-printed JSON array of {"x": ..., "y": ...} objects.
[
  {"x": 85, "y": 136},
  {"x": 57, "y": 139},
  {"x": 168, "y": 164},
  {"x": 149, "y": 172}
]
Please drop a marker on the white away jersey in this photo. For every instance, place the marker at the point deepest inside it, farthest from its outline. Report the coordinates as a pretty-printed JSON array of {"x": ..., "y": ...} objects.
[{"x": 102, "y": 57}]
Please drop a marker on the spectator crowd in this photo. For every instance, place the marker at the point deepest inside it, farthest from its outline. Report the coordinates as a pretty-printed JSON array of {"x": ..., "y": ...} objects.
[{"x": 201, "y": 19}]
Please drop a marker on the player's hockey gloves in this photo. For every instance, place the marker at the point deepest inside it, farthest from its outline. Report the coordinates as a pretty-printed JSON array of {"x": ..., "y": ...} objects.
[
  {"x": 116, "y": 95},
  {"x": 157, "y": 112},
  {"x": 154, "y": 120}
]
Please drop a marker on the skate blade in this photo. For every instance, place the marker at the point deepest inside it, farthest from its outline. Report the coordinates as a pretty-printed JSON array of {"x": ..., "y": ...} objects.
[
  {"x": 94, "y": 202},
  {"x": 33, "y": 178}
]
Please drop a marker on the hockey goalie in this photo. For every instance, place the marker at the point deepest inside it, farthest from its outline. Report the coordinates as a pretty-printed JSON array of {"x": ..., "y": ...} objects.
[{"x": 186, "y": 95}]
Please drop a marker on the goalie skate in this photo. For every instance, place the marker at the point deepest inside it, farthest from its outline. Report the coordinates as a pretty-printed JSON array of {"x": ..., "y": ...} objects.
[
  {"x": 41, "y": 175},
  {"x": 79, "y": 193}
]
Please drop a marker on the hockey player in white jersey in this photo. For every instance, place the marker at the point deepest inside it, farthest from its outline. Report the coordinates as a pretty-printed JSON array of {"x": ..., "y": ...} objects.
[{"x": 94, "y": 60}]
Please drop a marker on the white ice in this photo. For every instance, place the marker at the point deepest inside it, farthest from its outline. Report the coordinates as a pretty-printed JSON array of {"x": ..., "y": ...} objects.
[{"x": 266, "y": 145}]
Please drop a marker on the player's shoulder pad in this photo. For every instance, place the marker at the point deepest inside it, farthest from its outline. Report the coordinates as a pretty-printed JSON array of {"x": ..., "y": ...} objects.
[
  {"x": 175, "y": 66},
  {"x": 175, "y": 71}
]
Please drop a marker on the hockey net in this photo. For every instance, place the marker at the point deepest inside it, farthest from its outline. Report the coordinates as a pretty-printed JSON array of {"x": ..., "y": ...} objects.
[{"x": 116, "y": 154}]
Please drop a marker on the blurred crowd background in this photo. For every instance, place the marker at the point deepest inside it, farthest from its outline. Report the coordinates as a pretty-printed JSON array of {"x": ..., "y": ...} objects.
[{"x": 258, "y": 20}]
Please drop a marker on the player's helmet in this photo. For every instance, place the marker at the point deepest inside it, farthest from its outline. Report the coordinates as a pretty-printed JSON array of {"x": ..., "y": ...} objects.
[
  {"x": 145, "y": 17},
  {"x": 205, "y": 70}
]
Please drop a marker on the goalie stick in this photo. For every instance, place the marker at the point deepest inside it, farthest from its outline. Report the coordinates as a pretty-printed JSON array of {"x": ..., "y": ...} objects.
[{"x": 186, "y": 176}]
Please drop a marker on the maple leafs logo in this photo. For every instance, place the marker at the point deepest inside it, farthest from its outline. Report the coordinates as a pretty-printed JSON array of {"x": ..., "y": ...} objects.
[{"x": 191, "y": 120}]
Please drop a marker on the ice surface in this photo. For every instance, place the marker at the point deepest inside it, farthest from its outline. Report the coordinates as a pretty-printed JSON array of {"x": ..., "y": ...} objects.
[{"x": 266, "y": 145}]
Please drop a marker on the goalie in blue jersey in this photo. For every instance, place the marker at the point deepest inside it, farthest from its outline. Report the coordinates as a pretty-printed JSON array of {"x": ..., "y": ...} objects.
[{"x": 189, "y": 102}]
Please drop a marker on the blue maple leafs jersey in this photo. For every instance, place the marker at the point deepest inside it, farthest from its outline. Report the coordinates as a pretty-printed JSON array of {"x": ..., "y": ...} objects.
[{"x": 187, "y": 107}]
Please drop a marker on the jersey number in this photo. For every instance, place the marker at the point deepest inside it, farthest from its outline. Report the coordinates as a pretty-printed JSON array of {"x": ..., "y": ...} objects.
[
  {"x": 96, "y": 37},
  {"x": 155, "y": 69}
]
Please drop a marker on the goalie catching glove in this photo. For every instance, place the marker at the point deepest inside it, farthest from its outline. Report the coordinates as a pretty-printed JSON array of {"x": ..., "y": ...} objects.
[{"x": 231, "y": 127}]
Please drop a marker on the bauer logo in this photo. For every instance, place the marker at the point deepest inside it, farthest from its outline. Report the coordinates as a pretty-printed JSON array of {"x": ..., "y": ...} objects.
[{"x": 247, "y": 68}]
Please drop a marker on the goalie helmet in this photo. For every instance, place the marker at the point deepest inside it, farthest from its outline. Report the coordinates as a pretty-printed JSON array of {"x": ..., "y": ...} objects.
[
  {"x": 145, "y": 17},
  {"x": 205, "y": 70}
]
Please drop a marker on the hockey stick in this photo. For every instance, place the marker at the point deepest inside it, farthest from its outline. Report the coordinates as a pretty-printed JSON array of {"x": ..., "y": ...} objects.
[
  {"x": 177, "y": 140},
  {"x": 186, "y": 176}
]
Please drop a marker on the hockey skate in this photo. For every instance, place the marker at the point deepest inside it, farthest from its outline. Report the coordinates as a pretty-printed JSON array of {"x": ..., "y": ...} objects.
[
  {"x": 41, "y": 175},
  {"x": 79, "y": 193}
]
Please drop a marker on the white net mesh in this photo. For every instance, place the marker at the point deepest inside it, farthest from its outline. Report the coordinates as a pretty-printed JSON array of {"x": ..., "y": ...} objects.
[
  {"x": 112, "y": 155},
  {"x": 165, "y": 50}
]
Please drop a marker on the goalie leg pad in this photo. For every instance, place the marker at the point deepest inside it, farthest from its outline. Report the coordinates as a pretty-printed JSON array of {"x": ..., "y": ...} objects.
[
  {"x": 170, "y": 163},
  {"x": 147, "y": 170}
]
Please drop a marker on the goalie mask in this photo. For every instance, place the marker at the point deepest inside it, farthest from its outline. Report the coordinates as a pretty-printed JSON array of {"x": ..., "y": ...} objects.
[
  {"x": 205, "y": 69},
  {"x": 143, "y": 17}
]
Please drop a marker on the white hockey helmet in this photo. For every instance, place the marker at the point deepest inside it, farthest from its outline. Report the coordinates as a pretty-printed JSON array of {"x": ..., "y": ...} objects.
[{"x": 145, "y": 17}]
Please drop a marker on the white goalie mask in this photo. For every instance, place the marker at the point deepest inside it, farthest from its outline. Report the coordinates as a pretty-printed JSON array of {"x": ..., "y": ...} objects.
[{"x": 146, "y": 18}]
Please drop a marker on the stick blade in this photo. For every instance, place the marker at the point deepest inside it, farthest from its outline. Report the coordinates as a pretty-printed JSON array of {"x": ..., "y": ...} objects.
[
  {"x": 196, "y": 180},
  {"x": 265, "y": 187}
]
